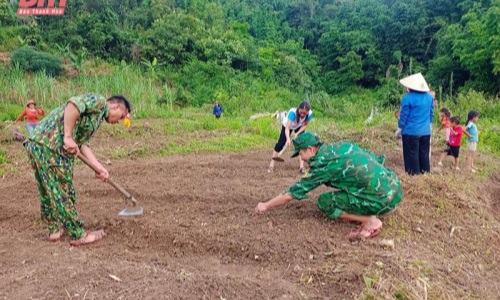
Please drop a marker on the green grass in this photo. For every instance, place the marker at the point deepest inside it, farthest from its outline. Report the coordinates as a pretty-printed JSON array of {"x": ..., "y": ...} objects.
[
  {"x": 234, "y": 142},
  {"x": 339, "y": 117}
]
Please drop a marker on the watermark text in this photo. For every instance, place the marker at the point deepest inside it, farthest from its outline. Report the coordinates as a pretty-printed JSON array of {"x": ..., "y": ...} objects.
[{"x": 39, "y": 8}]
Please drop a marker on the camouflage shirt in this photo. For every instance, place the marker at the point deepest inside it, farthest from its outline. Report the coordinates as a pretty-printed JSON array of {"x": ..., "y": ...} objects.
[
  {"x": 354, "y": 170},
  {"x": 50, "y": 131}
]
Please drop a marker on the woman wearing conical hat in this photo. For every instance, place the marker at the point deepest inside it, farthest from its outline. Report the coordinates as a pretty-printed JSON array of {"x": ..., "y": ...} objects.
[{"x": 417, "y": 109}]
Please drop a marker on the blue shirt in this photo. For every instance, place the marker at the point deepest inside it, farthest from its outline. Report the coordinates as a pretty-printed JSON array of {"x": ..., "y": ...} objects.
[
  {"x": 471, "y": 129},
  {"x": 417, "y": 110},
  {"x": 217, "y": 110},
  {"x": 292, "y": 117}
]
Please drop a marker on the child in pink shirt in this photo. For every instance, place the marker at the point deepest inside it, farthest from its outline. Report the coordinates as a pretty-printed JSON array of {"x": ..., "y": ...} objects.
[{"x": 444, "y": 116}]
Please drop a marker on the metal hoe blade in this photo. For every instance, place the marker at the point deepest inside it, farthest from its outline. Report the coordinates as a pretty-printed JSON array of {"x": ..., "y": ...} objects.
[
  {"x": 134, "y": 211},
  {"x": 279, "y": 158}
]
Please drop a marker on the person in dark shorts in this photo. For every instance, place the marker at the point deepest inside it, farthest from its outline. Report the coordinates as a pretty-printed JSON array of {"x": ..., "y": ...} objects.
[{"x": 453, "y": 144}]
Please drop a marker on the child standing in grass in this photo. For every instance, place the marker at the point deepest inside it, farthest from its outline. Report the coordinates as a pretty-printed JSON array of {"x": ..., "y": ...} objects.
[
  {"x": 444, "y": 116},
  {"x": 218, "y": 110},
  {"x": 473, "y": 138},
  {"x": 453, "y": 144}
]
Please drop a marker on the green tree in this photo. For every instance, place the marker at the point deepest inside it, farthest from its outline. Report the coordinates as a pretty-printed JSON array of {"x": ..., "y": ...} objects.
[
  {"x": 478, "y": 47},
  {"x": 7, "y": 15},
  {"x": 174, "y": 38}
]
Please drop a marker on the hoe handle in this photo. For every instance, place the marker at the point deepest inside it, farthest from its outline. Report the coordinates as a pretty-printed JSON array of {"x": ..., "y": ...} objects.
[{"x": 114, "y": 184}]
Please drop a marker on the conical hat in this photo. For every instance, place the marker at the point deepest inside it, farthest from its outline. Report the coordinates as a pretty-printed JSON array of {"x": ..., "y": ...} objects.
[{"x": 415, "y": 82}]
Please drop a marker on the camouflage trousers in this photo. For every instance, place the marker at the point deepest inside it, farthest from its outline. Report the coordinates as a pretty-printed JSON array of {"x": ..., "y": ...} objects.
[
  {"x": 333, "y": 204},
  {"x": 54, "y": 177}
]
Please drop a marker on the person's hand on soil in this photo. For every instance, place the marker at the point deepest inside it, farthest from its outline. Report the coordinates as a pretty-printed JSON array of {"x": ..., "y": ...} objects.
[
  {"x": 260, "y": 208},
  {"x": 288, "y": 142},
  {"x": 70, "y": 145}
]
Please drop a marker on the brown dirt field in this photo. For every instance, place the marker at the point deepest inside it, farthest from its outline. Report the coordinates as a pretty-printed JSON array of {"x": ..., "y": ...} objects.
[{"x": 199, "y": 238}]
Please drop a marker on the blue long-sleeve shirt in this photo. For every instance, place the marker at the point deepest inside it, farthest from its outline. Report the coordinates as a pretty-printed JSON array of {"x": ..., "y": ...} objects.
[
  {"x": 217, "y": 110},
  {"x": 417, "y": 111}
]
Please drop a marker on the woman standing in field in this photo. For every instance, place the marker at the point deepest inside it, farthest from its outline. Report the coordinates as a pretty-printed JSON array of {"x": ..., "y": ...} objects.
[
  {"x": 31, "y": 113},
  {"x": 297, "y": 121},
  {"x": 417, "y": 109}
]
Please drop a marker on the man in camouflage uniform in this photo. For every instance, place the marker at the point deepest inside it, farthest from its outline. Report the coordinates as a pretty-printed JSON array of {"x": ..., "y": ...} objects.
[
  {"x": 52, "y": 147},
  {"x": 365, "y": 187}
]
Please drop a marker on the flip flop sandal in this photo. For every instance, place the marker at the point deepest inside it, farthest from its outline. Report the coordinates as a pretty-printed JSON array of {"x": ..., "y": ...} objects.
[
  {"x": 55, "y": 239},
  {"x": 99, "y": 234}
]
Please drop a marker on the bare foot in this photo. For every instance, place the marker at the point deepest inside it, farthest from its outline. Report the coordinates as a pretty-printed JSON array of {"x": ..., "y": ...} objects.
[
  {"x": 54, "y": 237},
  {"x": 371, "y": 228},
  {"x": 367, "y": 230},
  {"x": 90, "y": 237}
]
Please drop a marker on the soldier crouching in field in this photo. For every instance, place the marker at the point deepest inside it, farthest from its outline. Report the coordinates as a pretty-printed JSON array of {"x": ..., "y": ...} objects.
[{"x": 366, "y": 187}]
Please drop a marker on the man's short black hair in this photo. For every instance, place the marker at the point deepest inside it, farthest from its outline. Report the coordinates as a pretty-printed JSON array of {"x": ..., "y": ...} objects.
[{"x": 121, "y": 99}]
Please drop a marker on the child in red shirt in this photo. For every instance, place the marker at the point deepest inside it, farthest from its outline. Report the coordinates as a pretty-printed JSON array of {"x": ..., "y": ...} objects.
[
  {"x": 453, "y": 144},
  {"x": 31, "y": 113}
]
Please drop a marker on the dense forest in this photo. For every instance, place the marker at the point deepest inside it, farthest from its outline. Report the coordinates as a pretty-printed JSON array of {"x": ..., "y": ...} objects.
[{"x": 305, "y": 46}]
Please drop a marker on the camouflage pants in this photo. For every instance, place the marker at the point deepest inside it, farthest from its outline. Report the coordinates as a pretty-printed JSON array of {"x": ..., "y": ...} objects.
[
  {"x": 54, "y": 177},
  {"x": 333, "y": 204}
]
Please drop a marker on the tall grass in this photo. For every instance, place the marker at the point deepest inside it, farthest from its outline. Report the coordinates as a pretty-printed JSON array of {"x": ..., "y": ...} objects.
[
  {"x": 50, "y": 92},
  {"x": 241, "y": 95}
]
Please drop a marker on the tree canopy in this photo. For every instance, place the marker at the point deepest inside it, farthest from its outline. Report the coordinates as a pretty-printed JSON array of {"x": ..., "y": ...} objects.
[{"x": 303, "y": 45}]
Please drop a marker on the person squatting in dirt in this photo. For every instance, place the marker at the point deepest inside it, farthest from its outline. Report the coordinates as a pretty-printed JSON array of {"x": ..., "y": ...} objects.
[
  {"x": 52, "y": 148},
  {"x": 366, "y": 188},
  {"x": 297, "y": 121}
]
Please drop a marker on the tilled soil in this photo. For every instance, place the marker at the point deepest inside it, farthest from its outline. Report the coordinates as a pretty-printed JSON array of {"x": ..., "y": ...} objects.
[{"x": 199, "y": 239}]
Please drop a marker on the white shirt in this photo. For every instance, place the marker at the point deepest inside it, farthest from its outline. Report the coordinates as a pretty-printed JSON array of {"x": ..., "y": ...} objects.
[{"x": 297, "y": 124}]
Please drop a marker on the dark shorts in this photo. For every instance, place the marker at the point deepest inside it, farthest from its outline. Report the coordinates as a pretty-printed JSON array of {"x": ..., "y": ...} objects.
[{"x": 452, "y": 150}]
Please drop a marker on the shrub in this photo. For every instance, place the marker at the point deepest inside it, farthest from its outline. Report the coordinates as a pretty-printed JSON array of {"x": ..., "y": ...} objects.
[
  {"x": 8, "y": 37},
  {"x": 31, "y": 60}
]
